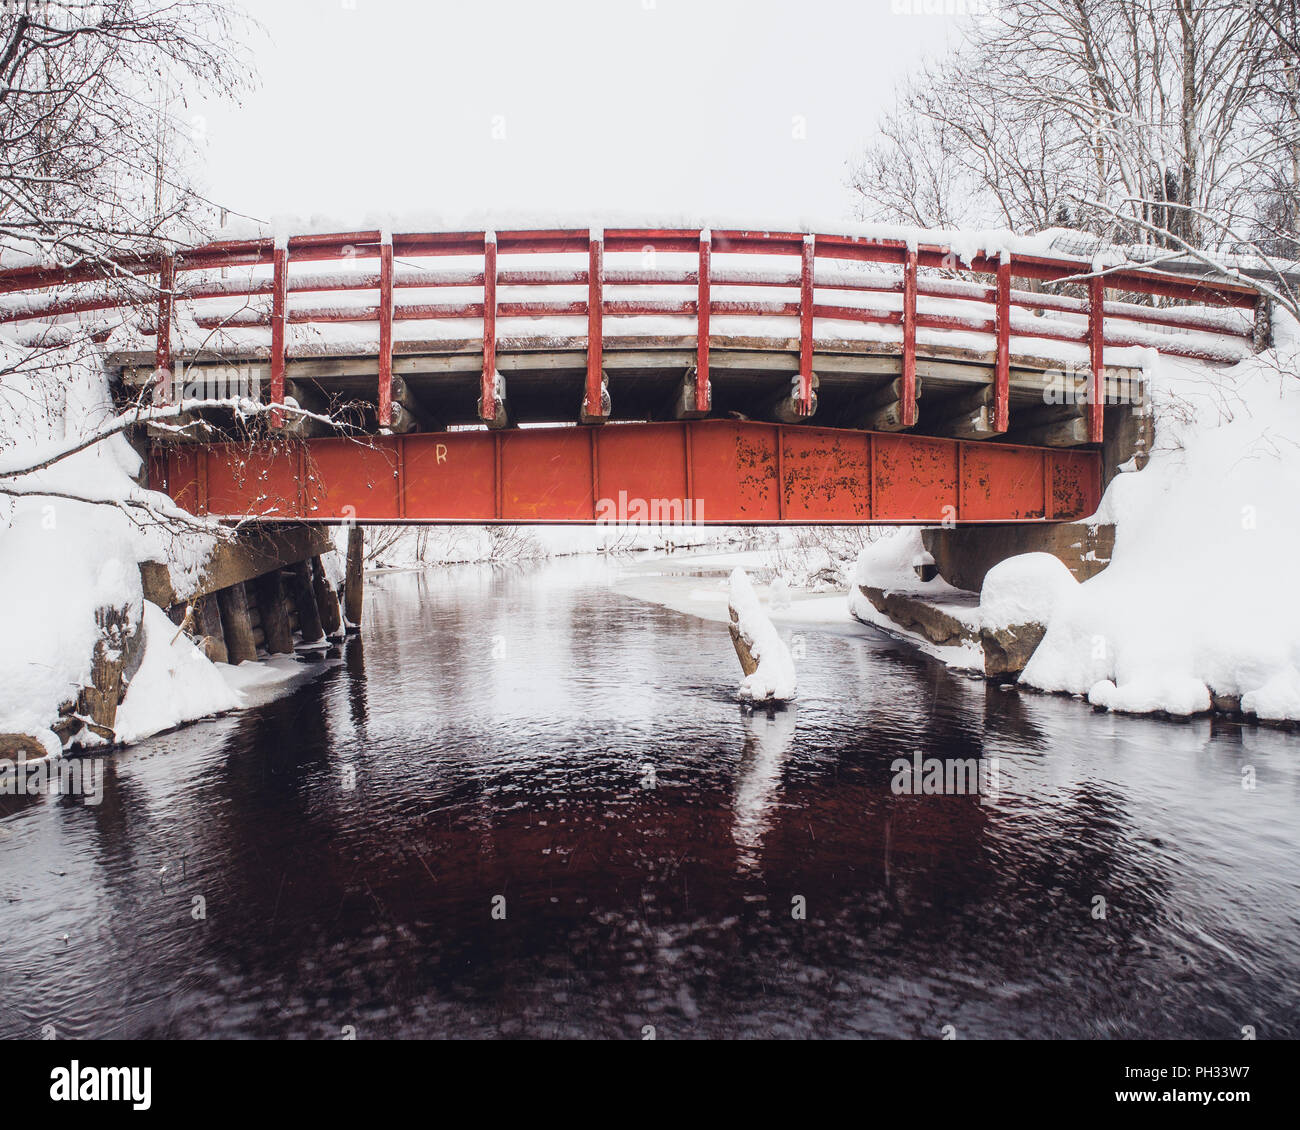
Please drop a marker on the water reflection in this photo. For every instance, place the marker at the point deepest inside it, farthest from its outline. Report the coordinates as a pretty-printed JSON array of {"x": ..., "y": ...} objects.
[
  {"x": 768, "y": 736},
  {"x": 490, "y": 736}
]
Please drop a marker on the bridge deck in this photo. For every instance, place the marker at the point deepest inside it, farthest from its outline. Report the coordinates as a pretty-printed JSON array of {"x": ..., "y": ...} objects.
[{"x": 546, "y": 377}]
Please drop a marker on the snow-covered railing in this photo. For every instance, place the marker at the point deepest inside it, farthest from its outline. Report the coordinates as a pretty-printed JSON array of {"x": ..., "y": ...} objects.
[{"x": 658, "y": 282}]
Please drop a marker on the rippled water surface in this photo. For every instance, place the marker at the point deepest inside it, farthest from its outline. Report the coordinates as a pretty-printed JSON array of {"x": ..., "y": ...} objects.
[{"x": 540, "y": 736}]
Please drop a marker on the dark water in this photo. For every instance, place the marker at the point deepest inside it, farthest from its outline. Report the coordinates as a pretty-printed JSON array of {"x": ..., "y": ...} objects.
[{"x": 501, "y": 727}]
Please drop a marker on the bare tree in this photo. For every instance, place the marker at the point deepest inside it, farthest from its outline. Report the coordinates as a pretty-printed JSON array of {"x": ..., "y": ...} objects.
[
  {"x": 1154, "y": 109},
  {"x": 94, "y": 174},
  {"x": 91, "y": 148}
]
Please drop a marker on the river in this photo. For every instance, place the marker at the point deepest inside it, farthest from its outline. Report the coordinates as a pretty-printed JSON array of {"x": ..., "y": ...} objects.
[{"x": 527, "y": 803}]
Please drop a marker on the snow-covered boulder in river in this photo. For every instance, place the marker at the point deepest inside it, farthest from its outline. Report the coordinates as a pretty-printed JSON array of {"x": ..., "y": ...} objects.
[{"x": 767, "y": 662}]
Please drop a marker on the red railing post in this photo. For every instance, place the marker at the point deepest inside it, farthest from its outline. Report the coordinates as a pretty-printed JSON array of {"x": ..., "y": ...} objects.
[
  {"x": 806, "y": 325},
  {"x": 704, "y": 300},
  {"x": 487, "y": 405},
  {"x": 279, "y": 298},
  {"x": 909, "y": 339},
  {"x": 386, "y": 331},
  {"x": 592, "y": 400},
  {"x": 164, "y": 385},
  {"x": 1002, "y": 373},
  {"x": 1096, "y": 351}
]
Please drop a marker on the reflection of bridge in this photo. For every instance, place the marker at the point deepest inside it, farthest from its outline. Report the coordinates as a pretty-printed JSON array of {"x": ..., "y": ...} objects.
[{"x": 872, "y": 381}]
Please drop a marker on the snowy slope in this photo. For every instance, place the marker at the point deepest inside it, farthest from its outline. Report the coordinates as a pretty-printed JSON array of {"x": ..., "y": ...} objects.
[
  {"x": 1200, "y": 594},
  {"x": 61, "y": 560}
]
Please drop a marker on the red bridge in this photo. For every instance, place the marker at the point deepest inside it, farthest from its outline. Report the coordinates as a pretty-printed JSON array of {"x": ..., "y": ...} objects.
[{"x": 709, "y": 376}]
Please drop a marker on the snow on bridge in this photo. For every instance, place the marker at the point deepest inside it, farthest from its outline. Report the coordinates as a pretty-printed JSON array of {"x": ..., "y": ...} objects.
[{"x": 754, "y": 375}]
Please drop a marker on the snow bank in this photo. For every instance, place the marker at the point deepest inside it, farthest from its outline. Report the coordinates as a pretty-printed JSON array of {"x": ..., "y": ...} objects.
[
  {"x": 891, "y": 561},
  {"x": 63, "y": 560},
  {"x": 1199, "y": 597},
  {"x": 890, "y": 564},
  {"x": 774, "y": 678},
  {"x": 1024, "y": 590},
  {"x": 55, "y": 572},
  {"x": 175, "y": 683},
  {"x": 1198, "y": 601}
]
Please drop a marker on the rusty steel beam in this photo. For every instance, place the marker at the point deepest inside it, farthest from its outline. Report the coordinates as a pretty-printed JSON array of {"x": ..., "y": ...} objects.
[
  {"x": 163, "y": 344},
  {"x": 703, "y": 300},
  {"x": 711, "y": 472},
  {"x": 909, "y": 339},
  {"x": 488, "y": 393},
  {"x": 1096, "y": 355},
  {"x": 595, "y": 327},
  {"x": 1002, "y": 367},
  {"x": 385, "y": 334},
  {"x": 808, "y": 253}
]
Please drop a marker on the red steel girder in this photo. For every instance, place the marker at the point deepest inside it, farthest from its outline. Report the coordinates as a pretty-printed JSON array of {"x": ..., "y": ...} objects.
[{"x": 713, "y": 472}]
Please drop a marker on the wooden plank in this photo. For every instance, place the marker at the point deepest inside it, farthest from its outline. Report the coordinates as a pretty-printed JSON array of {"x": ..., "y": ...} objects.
[
  {"x": 304, "y": 599},
  {"x": 237, "y": 625}
]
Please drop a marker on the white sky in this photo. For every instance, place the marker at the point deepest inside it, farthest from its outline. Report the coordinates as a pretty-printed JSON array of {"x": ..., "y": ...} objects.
[{"x": 693, "y": 106}]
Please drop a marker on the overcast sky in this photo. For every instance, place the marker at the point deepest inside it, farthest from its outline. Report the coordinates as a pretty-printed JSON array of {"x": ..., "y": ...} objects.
[{"x": 717, "y": 107}]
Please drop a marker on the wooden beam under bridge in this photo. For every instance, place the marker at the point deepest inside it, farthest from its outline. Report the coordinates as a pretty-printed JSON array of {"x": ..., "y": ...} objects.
[{"x": 711, "y": 472}]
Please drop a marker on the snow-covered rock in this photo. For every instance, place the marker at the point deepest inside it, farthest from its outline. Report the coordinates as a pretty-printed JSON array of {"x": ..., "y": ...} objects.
[
  {"x": 1025, "y": 589},
  {"x": 773, "y": 680}
]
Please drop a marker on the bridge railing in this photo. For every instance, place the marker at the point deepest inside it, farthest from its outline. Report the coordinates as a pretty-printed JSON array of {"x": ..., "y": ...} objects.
[{"x": 244, "y": 295}]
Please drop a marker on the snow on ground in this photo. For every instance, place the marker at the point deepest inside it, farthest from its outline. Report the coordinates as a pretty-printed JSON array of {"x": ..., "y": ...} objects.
[
  {"x": 175, "y": 683},
  {"x": 774, "y": 678},
  {"x": 418, "y": 547},
  {"x": 1199, "y": 596},
  {"x": 663, "y": 581},
  {"x": 62, "y": 560}
]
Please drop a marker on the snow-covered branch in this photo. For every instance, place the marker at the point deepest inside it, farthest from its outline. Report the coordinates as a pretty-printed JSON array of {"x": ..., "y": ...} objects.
[{"x": 27, "y": 461}]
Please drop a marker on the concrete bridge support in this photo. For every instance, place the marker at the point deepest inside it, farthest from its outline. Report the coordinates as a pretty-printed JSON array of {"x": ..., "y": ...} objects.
[{"x": 964, "y": 555}]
